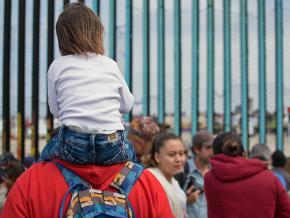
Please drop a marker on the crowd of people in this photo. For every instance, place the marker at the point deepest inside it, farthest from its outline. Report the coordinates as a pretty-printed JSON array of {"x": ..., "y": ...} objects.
[
  {"x": 10, "y": 169},
  {"x": 219, "y": 179},
  {"x": 94, "y": 167}
]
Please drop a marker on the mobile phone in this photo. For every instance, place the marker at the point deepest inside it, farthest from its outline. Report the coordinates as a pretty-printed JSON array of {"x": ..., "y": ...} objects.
[{"x": 191, "y": 181}]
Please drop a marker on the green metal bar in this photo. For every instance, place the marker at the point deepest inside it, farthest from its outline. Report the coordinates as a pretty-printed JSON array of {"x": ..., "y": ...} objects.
[
  {"x": 50, "y": 52},
  {"x": 129, "y": 49},
  {"x": 161, "y": 62},
  {"x": 244, "y": 70},
  {"x": 21, "y": 81},
  {"x": 112, "y": 30},
  {"x": 6, "y": 76},
  {"x": 279, "y": 72},
  {"x": 262, "y": 72},
  {"x": 96, "y": 7},
  {"x": 195, "y": 66},
  {"x": 177, "y": 67},
  {"x": 227, "y": 66},
  {"x": 210, "y": 65},
  {"x": 35, "y": 78},
  {"x": 146, "y": 61}
]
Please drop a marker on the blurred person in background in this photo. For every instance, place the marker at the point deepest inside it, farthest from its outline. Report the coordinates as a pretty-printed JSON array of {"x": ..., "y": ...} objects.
[
  {"x": 240, "y": 187},
  {"x": 287, "y": 167},
  {"x": 167, "y": 160},
  {"x": 141, "y": 133},
  {"x": 8, "y": 176},
  {"x": 28, "y": 161},
  {"x": 3, "y": 189},
  {"x": 6, "y": 158},
  {"x": 192, "y": 179},
  {"x": 278, "y": 163},
  {"x": 261, "y": 152}
]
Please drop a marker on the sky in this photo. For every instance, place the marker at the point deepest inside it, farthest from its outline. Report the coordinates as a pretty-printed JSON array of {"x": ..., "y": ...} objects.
[{"x": 186, "y": 52}]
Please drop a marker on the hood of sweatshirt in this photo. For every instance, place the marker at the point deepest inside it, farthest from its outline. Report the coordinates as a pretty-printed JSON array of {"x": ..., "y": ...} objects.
[
  {"x": 226, "y": 168},
  {"x": 97, "y": 176}
]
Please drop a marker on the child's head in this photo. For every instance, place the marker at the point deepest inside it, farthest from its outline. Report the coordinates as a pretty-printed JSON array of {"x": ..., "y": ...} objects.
[{"x": 79, "y": 30}]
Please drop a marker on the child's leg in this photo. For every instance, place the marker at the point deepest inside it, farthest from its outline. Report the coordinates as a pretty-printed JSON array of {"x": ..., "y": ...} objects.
[
  {"x": 84, "y": 148},
  {"x": 68, "y": 146},
  {"x": 49, "y": 149},
  {"x": 114, "y": 149},
  {"x": 74, "y": 147},
  {"x": 130, "y": 150}
]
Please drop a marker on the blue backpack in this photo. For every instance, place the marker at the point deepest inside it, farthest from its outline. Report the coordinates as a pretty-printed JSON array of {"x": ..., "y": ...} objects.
[{"x": 88, "y": 202}]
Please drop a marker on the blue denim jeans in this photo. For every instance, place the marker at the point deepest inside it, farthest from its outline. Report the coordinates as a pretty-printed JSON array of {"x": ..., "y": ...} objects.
[{"x": 83, "y": 148}]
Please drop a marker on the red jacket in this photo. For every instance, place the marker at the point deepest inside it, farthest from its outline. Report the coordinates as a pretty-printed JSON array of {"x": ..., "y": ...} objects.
[
  {"x": 38, "y": 192},
  {"x": 236, "y": 187}
]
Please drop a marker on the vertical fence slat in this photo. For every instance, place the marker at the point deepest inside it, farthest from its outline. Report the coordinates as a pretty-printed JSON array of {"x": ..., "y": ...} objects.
[
  {"x": 227, "y": 66},
  {"x": 161, "y": 62},
  {"x": 210, "y": 65},
  {"x": 279, "y": 71},
  {"x": 161, "y": 66},
  {"x": 96, "y": 7},
  {"x": 244, "y": 70},
  {"x": 50, "y": 52},
  {"x": 21, "y": 81},
  {"x": 112, "y": 30},
  {"x": 129, "y": 49},
  {"x": 262, "y": 71},
  {"x": 35, "y": 79},
  {"x": 146, "y": 61},
  {"x": 6, "y": 76},
  {"x": 177, "y": 67},
  {"x": 195, "y": 67}
]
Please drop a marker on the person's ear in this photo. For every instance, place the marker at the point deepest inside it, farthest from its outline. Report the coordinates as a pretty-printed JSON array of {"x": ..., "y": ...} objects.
[
  {"x": 157, "y": 157},
  {"x": 196, "y": 149}
]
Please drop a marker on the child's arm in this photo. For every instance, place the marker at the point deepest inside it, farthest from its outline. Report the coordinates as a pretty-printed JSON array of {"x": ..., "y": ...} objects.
[
  {"x": 127, "y": 99},
  {"x": 52, "y": 100}
]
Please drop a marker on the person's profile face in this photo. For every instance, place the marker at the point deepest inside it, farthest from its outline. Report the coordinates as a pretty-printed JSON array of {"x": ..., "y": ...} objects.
[{"x": 205, "y": 152}]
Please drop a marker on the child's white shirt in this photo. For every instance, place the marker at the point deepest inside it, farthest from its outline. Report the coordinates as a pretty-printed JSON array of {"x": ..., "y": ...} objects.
[{"x": 88, "y": 92}]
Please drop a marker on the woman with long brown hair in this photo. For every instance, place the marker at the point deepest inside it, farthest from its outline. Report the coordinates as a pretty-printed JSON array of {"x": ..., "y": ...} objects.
[{"x": 167, "y": 160}]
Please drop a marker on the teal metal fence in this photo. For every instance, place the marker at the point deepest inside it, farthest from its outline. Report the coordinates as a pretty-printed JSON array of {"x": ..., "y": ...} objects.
[{"x": 124, "y": 29}]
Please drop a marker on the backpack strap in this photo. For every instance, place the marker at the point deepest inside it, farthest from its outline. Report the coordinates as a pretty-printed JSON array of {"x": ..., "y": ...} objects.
[
  {"x": 73, "y": 181},
  {"x": 126, "y": 178},
  {"x": 123, "y": 181}
]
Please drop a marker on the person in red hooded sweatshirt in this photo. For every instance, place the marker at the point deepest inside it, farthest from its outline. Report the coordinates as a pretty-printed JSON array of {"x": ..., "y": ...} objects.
[
  {"x": 237, "y": 187},
  {"x": 39, "y": 191}
]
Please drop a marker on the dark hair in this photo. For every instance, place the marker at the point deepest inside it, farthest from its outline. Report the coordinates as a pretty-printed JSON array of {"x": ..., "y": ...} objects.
[
  {"x": 6, "y": 158},
  {"x": 13, "y": 170},
  {"x": 159, "y": 142},
  {"x": 79, "y": 30},
  {"x": 278, "y": 159},
  {"x": 228, "y": 143}
]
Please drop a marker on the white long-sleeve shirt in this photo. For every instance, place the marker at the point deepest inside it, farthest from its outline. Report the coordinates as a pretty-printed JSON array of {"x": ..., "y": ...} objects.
[{"x": 88, "y": 92}]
